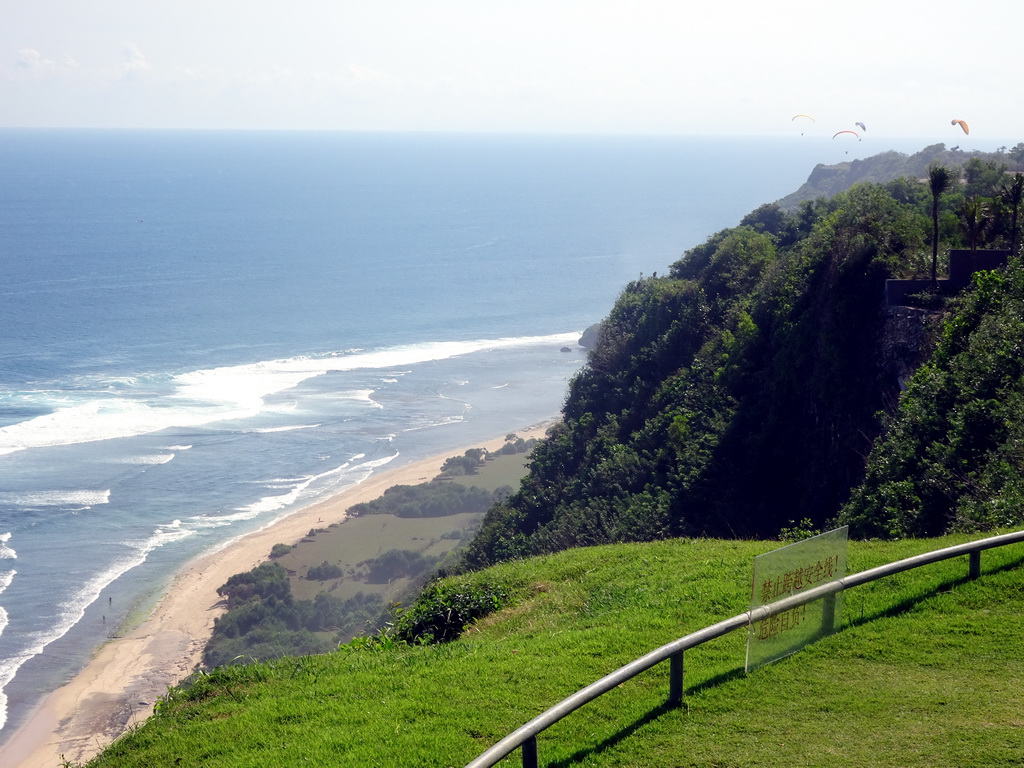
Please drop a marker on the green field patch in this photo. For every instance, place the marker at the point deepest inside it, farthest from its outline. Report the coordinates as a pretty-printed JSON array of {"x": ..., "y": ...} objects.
[
  {"x": 497, "y": 471},
  {"x": 359, "y": 539}
]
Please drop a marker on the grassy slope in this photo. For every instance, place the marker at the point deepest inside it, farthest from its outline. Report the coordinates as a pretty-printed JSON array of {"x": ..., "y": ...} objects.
[{"x": 926, "y": 672}]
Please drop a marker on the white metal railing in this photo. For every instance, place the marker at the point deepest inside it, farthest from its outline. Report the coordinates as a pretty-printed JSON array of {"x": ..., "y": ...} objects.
[{"x": 525, "y": 736}]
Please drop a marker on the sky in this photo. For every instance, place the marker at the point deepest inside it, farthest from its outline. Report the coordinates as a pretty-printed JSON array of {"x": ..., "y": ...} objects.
[{"x": 905, "y": 68}]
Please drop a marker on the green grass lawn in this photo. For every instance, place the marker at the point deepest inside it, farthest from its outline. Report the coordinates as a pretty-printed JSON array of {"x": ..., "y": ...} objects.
[{"x": 927, "y": 670}]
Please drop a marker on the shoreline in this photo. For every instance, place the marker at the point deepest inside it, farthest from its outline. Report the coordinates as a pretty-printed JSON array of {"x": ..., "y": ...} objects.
[{"x": 119, "y": 686}]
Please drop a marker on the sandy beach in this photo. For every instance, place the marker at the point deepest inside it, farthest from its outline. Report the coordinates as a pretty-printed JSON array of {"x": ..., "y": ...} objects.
[{"x": 120, "y": 685}]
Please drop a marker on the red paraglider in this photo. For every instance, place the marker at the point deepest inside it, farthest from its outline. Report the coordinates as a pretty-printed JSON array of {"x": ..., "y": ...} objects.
[
  {"x": 840, "y": 133},
  {"x": 962, "y": 124}
]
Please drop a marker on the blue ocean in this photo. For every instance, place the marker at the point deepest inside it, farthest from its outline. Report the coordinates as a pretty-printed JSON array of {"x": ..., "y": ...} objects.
[{"x": 203, "y": 331}]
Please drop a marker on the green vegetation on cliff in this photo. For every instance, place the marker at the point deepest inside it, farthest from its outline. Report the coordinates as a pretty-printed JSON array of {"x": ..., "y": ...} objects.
[
  {"x": 952, "y": 456},
  {"x": 743, "y": 391}
]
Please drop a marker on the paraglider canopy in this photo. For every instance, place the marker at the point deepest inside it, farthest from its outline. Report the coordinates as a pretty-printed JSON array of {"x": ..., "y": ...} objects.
[
  {"x": 801, "y": 117},
  {"x": 962, "y": 124},
  {"x": 840, "y": 133},
  {"x": 861, "y": 125}
]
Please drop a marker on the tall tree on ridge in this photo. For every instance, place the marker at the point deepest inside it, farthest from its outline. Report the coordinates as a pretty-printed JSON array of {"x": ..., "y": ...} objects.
[
  {"x": 938, "y": 180},
  {"x": 973, "y": 220},
  {"x": 1013, "y": 194}
]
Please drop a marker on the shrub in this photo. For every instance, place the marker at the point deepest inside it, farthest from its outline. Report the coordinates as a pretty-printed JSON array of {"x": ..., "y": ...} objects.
[
  {"x": 324, "y": 571},
  {"x": 443, "y": 610},
  {"x": 279, "y": 550}
]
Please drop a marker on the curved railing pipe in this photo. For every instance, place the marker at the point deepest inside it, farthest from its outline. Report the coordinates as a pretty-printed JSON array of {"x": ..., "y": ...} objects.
[{"x": 525, "y": 736}]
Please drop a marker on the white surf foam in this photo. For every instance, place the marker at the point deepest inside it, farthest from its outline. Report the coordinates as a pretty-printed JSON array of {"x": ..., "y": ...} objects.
[
  {"x": 71, "y": 611},
  {"x": 448, "y": 420},
  {"x": 300, "y": 486},
  {"x": 219, "y": 394},
  {"x": 375, "y": 463},
  {"x": 356, "y": 474},
  {"x": 366, "y": 396},
  {"x": 271, "y": 430},
  {"x": 6, "y": 552},
  {"x": 151, "y": 458},
  {"x": 83, "y": 499}
]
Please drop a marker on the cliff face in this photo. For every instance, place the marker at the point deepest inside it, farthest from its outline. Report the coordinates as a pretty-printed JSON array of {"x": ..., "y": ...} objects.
[
  {"x": 908, "y": 337},
  {"x": 828, "y": 180},
  {"x": 590, "y": 336},
  {"x": 733, "y": 397}
]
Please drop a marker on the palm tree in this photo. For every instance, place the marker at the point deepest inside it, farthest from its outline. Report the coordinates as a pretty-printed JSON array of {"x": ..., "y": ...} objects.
[
  {"x": 973, "y": 220},
  {"x": 938, "y": 180},
  {"x": 1013, "y": 194}
]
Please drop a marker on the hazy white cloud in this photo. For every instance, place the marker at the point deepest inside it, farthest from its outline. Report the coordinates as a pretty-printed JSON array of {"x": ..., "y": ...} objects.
[
  {"x": 134, "y": 60},
  {"x": 30, "y": 60},
  {"x": 356, "y": 75},
  {"x": 655, "y": 66}
]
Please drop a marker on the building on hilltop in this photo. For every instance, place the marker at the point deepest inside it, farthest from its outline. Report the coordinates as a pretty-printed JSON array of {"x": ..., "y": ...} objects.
[{"x": 962, "y": 264}]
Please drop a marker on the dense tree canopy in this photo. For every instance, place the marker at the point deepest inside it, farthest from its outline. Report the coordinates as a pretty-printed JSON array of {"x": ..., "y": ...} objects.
[
  {"x": 742, "y": 391},
  {"x": 953, "y": 455}
]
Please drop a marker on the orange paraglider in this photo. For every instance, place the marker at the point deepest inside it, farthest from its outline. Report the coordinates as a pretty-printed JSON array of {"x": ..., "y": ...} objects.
[
  {"x": 962, "y": 124},
  {"x": 840, "y": 133}
]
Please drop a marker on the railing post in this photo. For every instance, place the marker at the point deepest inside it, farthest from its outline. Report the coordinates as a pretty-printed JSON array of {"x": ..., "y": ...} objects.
[
  {"x": 828, "y": 614},
  {"x": 530, "y": 753},
  {"x": 675, "y": 679},
  {"x": 975, "y": 567}
]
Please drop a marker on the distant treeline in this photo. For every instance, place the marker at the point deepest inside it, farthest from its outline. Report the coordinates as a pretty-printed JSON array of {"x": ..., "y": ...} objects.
[
  {"x": 264, "y": 621},
  {"x": 439, "y": 497},
  {"x": 433, "y": 499}
]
